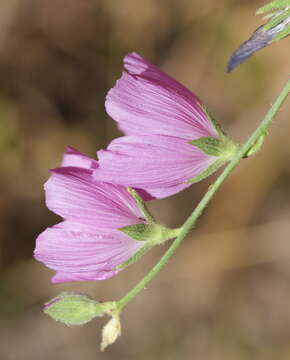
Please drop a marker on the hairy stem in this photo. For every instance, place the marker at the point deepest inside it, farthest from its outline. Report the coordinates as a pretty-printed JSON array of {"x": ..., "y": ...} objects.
[{"x": 191, "y": 220}]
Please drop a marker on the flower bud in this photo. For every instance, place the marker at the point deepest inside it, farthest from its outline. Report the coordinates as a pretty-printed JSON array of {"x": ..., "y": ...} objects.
[
  {"x": 111, "y": 332},
  {"x": 75, "y": 309}
]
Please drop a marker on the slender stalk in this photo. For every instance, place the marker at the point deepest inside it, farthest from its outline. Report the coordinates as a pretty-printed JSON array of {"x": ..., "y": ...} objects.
[{"x": 189, "y": 223}]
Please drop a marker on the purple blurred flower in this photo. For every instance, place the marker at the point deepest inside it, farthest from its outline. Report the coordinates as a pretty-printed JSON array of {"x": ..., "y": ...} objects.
[
  {"x": 160, "y": 118},
  {"x": 86, "y": 245}
]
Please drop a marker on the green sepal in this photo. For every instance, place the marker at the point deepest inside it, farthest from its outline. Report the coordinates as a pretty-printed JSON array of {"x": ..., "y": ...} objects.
[
  {"x": 209, "y": 171},
  {"x": 279, "y": 17},
  {"x": 141, "y": 205},
  {"x": 151, "y": 234},
  {"x": 139, "y": 232},
  {"x": 223, "y": 148},
  {"x": 273, "y": 5},
  {"x": 276, "y": 19},
  {"x": 220, "y": 147},
  {"x": 282, "y": 34},
  {"x": 213, "y": 121},
  {"x": 72, "y": 308},
  {"x": 209, "y": 145}
]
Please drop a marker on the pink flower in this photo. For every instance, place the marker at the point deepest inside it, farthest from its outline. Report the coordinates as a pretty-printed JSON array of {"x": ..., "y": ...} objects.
[
  {"x": 160, "y": 118},
  {"x": 87, "y": 245}
]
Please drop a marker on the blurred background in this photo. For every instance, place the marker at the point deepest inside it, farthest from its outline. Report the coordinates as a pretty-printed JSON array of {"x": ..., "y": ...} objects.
[{"x": 225, "y": 294}]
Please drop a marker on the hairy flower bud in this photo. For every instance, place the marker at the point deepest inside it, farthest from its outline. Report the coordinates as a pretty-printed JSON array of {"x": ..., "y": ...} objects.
[{"x": 75, "y": 309}]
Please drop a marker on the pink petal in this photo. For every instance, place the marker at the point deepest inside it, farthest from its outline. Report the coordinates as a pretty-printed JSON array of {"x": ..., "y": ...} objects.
[
  {"x": 80, "y": 254},
  {"x": 72, "y": 157},
  {"x": 147, "y": 101},
  {"x": 75, "y": 195},
  {"x": 160, "y": 193},
  {"x": 61, "y": 277},
  {"x": 158, "y": 164}
]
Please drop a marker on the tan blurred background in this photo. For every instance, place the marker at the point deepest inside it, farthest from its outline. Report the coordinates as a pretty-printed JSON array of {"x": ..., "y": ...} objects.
[{"x": 226, "y": 293}]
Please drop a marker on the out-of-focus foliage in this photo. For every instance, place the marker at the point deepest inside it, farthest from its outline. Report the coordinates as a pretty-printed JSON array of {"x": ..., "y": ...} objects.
[
  {"x": 276, "y": 28},
  {"x": 225, "y": 295}
]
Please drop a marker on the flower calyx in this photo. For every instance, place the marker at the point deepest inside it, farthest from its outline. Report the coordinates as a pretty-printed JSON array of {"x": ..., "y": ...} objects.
[
  {"x": 223, "y": 148},
  {"x": 111, "y": 331},
  {"x": 151, "y": 234},
  {"x": 148, "y": 231}
]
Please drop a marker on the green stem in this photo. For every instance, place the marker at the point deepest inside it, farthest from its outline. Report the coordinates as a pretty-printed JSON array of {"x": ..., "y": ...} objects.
[{"x": 189, "y": 223}]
